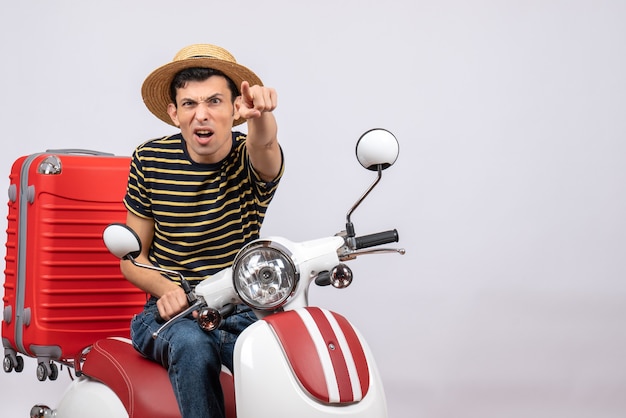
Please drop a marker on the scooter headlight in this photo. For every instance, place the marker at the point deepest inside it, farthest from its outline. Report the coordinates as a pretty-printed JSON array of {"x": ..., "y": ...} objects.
[{"x": 264, "y": 275}]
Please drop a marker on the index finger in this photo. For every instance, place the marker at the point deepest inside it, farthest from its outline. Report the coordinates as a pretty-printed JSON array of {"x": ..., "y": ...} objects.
[{"x": 245, "y": 90}]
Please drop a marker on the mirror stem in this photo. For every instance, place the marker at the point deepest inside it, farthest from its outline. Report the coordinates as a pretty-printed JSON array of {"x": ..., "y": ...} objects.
[
  {"x": 349, "y": 226},
  {"x": 191, "y": 297}
]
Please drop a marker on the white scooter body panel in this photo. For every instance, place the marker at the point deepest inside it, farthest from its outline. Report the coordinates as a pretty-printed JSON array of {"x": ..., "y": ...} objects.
[
  {"x": 265, "y": 384},
  {"x": 89, "y": 398}
]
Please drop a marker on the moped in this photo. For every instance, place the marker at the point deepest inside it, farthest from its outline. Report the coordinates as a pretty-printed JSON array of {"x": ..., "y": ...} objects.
[{"x": 297, "y": 360}]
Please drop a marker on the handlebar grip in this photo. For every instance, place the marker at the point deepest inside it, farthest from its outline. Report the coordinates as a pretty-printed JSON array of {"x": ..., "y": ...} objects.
[{"x": 378, "y": 238}]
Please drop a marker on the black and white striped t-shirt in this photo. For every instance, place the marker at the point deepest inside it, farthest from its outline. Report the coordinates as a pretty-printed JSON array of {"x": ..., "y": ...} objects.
[{"x": 203, "y": 213}]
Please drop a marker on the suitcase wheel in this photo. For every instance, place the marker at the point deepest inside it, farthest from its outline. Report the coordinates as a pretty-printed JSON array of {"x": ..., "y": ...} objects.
[
  {"x": 11, "y": 363},
  {"x": 47, "y": 371}
]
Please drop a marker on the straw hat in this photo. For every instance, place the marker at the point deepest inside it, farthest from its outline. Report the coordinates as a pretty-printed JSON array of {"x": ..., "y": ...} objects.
[{"x": 156, "y": 88}]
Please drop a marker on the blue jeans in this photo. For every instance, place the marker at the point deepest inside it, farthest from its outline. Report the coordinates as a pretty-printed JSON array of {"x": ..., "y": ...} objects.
[{"x": 192, "y": 357}]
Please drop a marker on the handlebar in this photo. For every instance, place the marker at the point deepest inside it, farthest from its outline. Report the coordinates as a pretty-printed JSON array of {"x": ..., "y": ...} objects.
[{"x": 378, "y": 238}]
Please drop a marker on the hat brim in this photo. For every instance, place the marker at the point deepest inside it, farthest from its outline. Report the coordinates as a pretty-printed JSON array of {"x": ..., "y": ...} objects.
[{"x": 155, "y": 89}]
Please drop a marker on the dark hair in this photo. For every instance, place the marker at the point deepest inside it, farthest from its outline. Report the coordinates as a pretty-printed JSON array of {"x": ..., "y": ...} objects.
[{"x": 182, "y": 77}]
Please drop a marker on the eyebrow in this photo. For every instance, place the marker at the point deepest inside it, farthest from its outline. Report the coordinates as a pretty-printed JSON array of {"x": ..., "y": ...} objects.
[{"x": 207, "y": 99}]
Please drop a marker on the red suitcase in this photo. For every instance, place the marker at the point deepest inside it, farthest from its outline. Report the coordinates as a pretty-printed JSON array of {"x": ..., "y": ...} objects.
[{"x": 62, "y": 288}]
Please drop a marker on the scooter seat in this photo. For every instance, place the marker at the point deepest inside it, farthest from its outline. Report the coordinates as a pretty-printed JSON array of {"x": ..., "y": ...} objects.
[{"x": 142, "y": 385}]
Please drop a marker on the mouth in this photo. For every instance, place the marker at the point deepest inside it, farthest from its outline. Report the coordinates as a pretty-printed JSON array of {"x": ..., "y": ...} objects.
[{"x": 204, "y": 135}]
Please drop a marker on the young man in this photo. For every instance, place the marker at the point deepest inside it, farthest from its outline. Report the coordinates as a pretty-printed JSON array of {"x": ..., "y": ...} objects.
[{"x": 194, "y": 199}]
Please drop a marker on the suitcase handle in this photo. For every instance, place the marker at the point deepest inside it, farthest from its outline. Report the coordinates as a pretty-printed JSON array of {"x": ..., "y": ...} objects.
[{"x": 77, "y": 151}]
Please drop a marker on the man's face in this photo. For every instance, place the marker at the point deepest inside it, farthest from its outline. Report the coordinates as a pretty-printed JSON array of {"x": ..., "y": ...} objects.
[{"x": 205, "y": 115}]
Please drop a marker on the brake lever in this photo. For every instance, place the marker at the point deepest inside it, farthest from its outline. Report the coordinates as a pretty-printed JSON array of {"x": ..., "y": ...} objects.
[
  {"x": 181, "y": 314},
  {"x": 352, "y": 254}
]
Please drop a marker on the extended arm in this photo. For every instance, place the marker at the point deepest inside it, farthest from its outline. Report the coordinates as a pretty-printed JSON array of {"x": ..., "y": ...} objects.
[{"x": 256, "y": 104}]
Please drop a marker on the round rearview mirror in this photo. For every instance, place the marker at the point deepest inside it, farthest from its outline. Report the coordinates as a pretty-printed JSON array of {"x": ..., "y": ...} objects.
[
  {"x": 121, "y": 241},
  {"x": 377, "y": 147}
]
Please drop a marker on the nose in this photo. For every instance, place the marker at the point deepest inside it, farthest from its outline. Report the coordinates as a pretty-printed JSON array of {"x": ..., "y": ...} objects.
[{"x": 202, "y": 112}]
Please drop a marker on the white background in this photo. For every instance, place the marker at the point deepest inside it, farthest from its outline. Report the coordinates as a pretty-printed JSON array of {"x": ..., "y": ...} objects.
[{"x": 508, "y": 194}]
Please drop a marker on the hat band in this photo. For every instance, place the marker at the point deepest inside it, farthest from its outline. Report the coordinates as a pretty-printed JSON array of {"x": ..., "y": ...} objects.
[{"x": 202, "y": 56}]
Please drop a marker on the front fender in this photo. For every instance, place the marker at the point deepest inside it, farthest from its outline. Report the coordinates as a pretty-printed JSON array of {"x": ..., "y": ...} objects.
[{"x": 309, "y": 363}]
